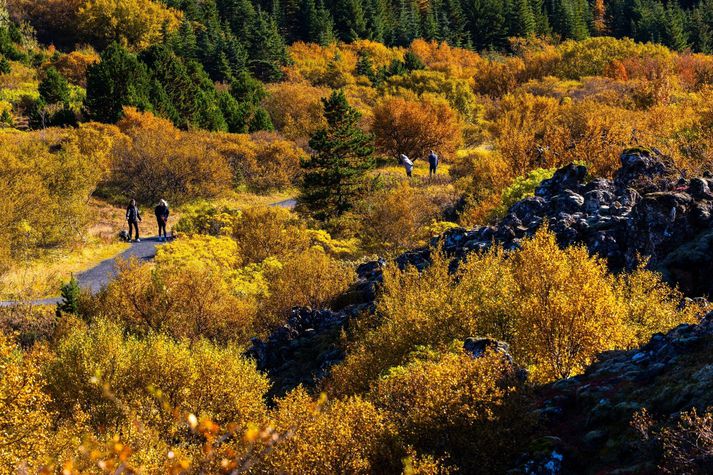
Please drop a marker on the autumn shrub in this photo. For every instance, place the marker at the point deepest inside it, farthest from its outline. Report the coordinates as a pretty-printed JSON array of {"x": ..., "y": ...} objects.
[
  {"x": 75, "y": 64},
  {"x": 261, "y": 162},
  {"x": 471, "y": 411},
  {"x": 25, "y": 419},
  {"x": 523, "y": 187},
  {"x": 136, "y": 23},
  {"x": 650, "y": 305},
  {"x": 413, "y": 309},
  {"x": 264, "y": 232},
  {"x": 519, "y": 128},
  {"x": 591, "y": 56},
  {"x": 395, "y": 219},
  {"x": 46, "y": 180},
  {"x": 566, "y": 308},
  {"x": 414, "y": 127},
  {"x": 309, "y": 278},
  {"x": 558, "y": 308},
  {"x": 682, "y": 444},
  {"x": 28, "y": 324},
  {"x": 184, "y": 300},
  {"x": 115, "y": 379},
  {"x": 296, "y": 109},
  {"x": 157, "y": 161},
  {"x": 340, "y": 436},
  {"x": 208, "y": 218},
  {"x": 440, "y": 56},
  {"x": 480, "y": 175},
  {"x": 458, "y": 92}
]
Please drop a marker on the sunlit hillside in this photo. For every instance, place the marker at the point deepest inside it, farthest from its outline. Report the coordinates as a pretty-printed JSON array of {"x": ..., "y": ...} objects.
[{"x": 356, "y": 236}]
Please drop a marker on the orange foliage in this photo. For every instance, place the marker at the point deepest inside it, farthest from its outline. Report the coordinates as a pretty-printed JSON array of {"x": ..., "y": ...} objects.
[
  {"x": 456, "y": 62},
  {"x": 296, "y": 109},
  {"x": 74, "y": 65},
  {"x": 159, "y": 161},
  {"x": 414, "y": 127}
]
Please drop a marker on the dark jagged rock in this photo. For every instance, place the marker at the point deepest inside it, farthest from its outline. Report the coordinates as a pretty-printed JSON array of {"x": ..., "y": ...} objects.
[
  {"x": 476, "y": 347},
  {"x": 587, "y": 418},
  {"x": 647, "y": 210}
]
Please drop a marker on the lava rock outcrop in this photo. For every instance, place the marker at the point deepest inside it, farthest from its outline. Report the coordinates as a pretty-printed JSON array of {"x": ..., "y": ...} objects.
[{"x": 647, "y": 210}]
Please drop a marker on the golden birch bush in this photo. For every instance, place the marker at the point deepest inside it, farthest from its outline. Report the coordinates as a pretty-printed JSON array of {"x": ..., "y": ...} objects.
[
  {"x": 470, "y": 411},
  {"x": 25, "y": 420},
  {"x": 341, "y": 436},
  {"x": 556, "y": 307}
]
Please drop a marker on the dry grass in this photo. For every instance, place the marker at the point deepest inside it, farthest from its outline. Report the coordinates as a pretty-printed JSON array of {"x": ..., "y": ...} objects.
[
  {"x": 244, "y": 199},
  {"x": 42, "y": 277}
]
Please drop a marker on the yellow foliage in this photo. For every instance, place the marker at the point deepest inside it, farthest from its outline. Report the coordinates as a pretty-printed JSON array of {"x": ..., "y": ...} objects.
[
  {"x": 455, "y": 62},
  {"x": 566, "y": 308},
  {"x": 396, "y": 219},
  {"x": 296, "y": 109},
  {"x": 46, "y": 180},
  {"x": 340, "y": 436},
  {"x": 74, "y": 65},
  {"x": 415, "y": 127},
  {"x": 137, "y": 24},
  {"x": 264, "y": 232},
  {"x": 184, "y": 301},
  {"x": 25, "y": 422},
  {"x": 309, "y": 278},
  {"x": 157, "y": 161},
  {"x": 469, "y": 410},
  {"x": 117, "y": 379},
  {"x": 262, "y": 161},
  {"x": 556, "y": 307}
]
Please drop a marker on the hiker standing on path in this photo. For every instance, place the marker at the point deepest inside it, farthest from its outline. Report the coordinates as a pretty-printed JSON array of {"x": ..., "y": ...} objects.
[
  {"x": 432, "y": 163},
  {"x": 133, "y": 216},
  {"x": 161, "y": 212},
  {"x": 408, "y": 165}
]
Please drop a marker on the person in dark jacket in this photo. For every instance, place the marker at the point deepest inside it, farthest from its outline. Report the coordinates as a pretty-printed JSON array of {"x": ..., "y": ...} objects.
[
  {"x": 133, "y": 217},
  {"x": 432, "y": 163},
  {"x": 161, "y": 212}
]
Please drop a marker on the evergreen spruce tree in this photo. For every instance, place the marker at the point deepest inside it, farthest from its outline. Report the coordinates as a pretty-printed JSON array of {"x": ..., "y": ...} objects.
[
  {"x": 457, "y": 23},
  {"x": 488, "y": 24},
  {"x": 542, "y": 21},
  {"x": 365, "y": 67},
  {"x": 266, "y": 49},
  {"x": 376, "y": 13},
  {"x": 572, "y": 19},
  {"x": 54, "y": 88},
  {"x": 349, "y": 20},
  {"x": 317, "y": 23},
  {"x": 700, "y": 27},
  {"x": 408, "y": 23},
  {"x": 521, "y": 19},
  {"x": 5, "y": 66},
  {"x": 675, "y": 34},
  {"x": 118, "y": 80},
  {"x": 343, "y": 154},
  {"x": 70, "y": 298}
]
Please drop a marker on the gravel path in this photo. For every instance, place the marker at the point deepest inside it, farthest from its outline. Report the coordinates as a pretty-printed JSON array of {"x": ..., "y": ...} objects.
[{"x": 97, "y": 277}]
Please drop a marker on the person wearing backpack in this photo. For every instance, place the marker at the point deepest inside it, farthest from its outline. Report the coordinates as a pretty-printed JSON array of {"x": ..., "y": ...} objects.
[
  {"x": 432, "y": 163},
  {"x": 408, "y": 165},
  {"x": 161, "y": 212},
  {"x": 133, "y": 217}
]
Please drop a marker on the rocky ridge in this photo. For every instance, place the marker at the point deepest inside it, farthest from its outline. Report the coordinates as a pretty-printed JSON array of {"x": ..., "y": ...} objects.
[
  {"x": 648, "y": 209},
  {"x": 586, "y": 420}
]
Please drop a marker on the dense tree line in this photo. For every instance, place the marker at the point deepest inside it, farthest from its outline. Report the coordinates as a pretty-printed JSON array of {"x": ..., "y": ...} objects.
[{"x": 231, "y": 27}]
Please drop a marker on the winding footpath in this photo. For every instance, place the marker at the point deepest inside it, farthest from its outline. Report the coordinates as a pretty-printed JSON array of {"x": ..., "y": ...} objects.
[{"x": 99, "y": 276}]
